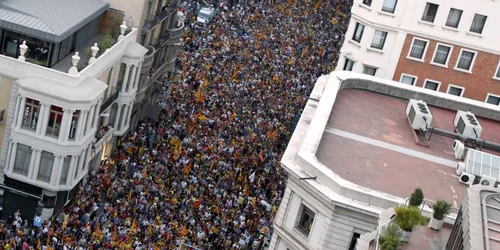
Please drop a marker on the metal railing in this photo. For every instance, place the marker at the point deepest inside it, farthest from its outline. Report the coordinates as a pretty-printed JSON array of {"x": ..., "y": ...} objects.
[
  {"x": 159, "y": 16},
  {"x": 109, "y": 101}
]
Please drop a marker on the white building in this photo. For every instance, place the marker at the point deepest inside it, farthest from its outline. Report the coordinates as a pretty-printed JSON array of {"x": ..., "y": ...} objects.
[
  {"x": 66, "y": 90},
  {"x": 353, "y": 157},
  {"x": 448, "y": 46}
]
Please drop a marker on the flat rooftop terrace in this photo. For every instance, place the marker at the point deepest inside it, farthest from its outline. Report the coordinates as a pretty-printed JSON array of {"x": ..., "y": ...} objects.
[{"x": 369, "y": 142}]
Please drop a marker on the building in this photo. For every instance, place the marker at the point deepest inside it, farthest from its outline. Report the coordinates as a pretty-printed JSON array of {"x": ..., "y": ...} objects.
[
  {"x": 443, "y": 45},
  {"x": 469, "y": 232},
  {"x": 69, "y": 74},
  {"x": 353, "y": 157},
  {"x": 161, "y": 31}
]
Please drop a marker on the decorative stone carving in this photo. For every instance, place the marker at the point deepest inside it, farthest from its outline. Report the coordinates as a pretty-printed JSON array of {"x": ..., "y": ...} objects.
[
  {"x": 94, "y": 50},
  {"x": 123, "y": 28},
  {"x": 74, "y": 61},
  {"x": 22, "y": 51}
]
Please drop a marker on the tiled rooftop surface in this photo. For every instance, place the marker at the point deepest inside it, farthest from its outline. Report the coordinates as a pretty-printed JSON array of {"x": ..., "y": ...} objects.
[{"x": 369, "y": 142}]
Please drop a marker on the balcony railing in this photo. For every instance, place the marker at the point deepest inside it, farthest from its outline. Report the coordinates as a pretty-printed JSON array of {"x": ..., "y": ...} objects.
[
  {"x": 177, "y": 33},
  {"x": 109, "y": 101},
  {"x": 148, "y": 59}
]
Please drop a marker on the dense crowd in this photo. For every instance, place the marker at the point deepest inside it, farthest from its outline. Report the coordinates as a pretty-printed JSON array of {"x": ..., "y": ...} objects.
[{"x": 206, "y": 173}]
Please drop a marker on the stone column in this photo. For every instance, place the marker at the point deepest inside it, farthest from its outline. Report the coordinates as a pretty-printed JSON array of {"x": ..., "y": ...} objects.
[
  {"x": 125, "y": 78},
  {"x": 124, "y": 116},
  {"x": 82, "y": 117},
  {"x": 118, "y": 116},
  {"x": 137, "y": 75},
  {"x": 11, "y": 161},
  {"x": 35, "y": 164},
  {"x": 97, "y": 113},
  {"x": 40, "y": 119},
  {"x": 131, "y": 85},
  {"x": 91, "y": 117},
  {"x": 20, "y": 114},
  {"x": 131, "y": 108},
  {"x": 46, "y": 114},
  {"x": 65, "y": 125},
  {"x": 16, "y": 110},
  {"x": 71, "y": 172},
  {"x": 55, "y": 176}
]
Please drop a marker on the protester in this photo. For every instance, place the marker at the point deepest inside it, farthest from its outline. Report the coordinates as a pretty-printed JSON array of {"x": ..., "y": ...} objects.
[{"x": 207, "y": 172}]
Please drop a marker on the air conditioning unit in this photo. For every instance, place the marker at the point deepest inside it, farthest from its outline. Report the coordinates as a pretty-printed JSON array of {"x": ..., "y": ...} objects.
[
  {"x": 418, "y": 114},
  {"x": 460, "y": 168},
  {"x": 467, "y": 178},
  {"x": 467, "y": 124},
  {"x": 487, "y": 181},
  {"x": 458, "y": 148}
]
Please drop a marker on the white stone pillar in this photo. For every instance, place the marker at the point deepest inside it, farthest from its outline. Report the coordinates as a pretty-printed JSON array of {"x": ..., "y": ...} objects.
[
  {"x": 137, "y": 76},
  {"x": 82, "y": 118},
  {"x": 65, "y": 125},
  {"x": 46, "y": 123},
  {"x": 40, "y": 119},
  {"x": 132, "y": 78},
  {"x": 131, "y": 108},
  {"x": 10, "y": 162},
  {"x": 118, "y": 116},
  {"x": 55, "y": 176},
  {"x": 90, "y": 119},
  {"x": 125, "y": 78},
  {"x": 71, "y": 172},
  {"x": 16, "y": 110},
  {"x": 35, "y": 165},
  {"x": 97, "y": 113},
  {"x": 21, "y": 112}
]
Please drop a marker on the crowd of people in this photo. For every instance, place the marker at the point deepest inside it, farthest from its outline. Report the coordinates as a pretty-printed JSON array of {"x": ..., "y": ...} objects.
[{"x": 206, "y": 173}]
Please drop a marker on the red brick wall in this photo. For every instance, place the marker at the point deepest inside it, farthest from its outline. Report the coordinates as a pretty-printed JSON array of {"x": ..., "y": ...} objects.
[{"x": 477, "y": 85}]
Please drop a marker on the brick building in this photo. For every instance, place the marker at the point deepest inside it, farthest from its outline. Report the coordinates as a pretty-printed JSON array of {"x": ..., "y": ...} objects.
[{"x": 443, "y": 45}]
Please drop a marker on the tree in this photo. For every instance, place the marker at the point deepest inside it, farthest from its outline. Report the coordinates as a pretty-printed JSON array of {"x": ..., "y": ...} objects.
[{"x": 390, "y": 239}]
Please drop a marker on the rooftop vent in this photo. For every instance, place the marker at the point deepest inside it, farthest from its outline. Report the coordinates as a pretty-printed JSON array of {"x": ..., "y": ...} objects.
[
  {"x": 467, "y": 124},
  {"x": 418, "y": 115}
]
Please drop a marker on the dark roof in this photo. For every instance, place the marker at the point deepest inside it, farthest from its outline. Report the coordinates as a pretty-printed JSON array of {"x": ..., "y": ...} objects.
[{"x": 50, "y": 20}]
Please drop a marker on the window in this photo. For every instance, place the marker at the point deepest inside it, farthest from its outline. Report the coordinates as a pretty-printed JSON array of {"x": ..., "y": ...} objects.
[
  {"x": 46, "y": 164},
  {"x": 408, "y": 79},
  {"x": 367, "y": 2},
  {"x": 389, "y": 6},
  {"x": 492, "y": 99},
  {"x": 306, "y": 219},
  {"x": 369, "y": 70},
  {"x": 434, "y": 85},
  {"x": 442, "y": 54},
  {"x": 23, "y": 159},
  {"x": 55, "y": 121},
  {"x": 31, "y": 112},
  {"x": 358, "y": 32},
  {"x": 418, "y": 49},
  {"x": 478, "y": 23},
  {"x": 379, "y": 39},
  {"x": 454, "y": 18},
  {"x": 497, "y": 74},
  {"x": 65, "y": 170},
  {"x": 2, "y": 115},
  {"x": 74, "y": 122},
  {"x": 348, "y": 65},
  {"x": 354, "y": 241},
  {"x": 430, "y": 12},
  {"x": 466, "y": 60},
  {"x": 455, "y": 90}
]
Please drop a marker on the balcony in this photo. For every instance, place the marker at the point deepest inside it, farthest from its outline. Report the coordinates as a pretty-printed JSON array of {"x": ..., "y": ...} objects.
[
  {"x": 160, "y": 16},
  {"x": 177, "y": 33},
  {"x": 148, "y": 59},
  {"x": 109, "y": 101},
  {"x": 104, "y": 134}
]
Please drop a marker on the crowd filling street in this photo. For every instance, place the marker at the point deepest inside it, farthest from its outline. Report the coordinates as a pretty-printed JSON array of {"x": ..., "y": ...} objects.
[{"x": 206, "y": 173}]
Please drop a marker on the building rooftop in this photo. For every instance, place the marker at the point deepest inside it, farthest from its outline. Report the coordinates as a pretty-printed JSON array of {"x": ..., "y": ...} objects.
[
  {"x": 373, "y": 128},
  {"x": 50, "y": 20}
]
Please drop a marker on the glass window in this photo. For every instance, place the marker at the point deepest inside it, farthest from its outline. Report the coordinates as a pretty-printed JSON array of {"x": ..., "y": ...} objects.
[
  {"x": 74, "y": 123},
  {"x": 441, "y": 55},
  {"x": 46, "y": 164},
  {"x": 38, "y": 50},
  {"x": 495, "y": 100},
  {"x": 369, "y": 70},
  {"x": 478, "y": 23},
  {"x": 431, "y": 85},
  {"x": 121, "y": 77},
  {"x": 430, "y": 12},
  {"x": 407, "y": 79},
  {"x": 497, "y": 75},
  {"x": 367, "y": 2},
  {"x": 465, "y": 60},
  {"x": 65, "y": 170},
  {"x": 55, "y": 121},
  {"x": 348, "y": 65},
  {"x": 418, "y": 48},
  {"x": 454, "y": 18},
  {"x": 455, "y": 91},
  {"x": 306, "y": 220},
  {"x": 31, "y": 113},
  {"x": 23, "y": 159},
  {"x": 379, "y": 39},
  {"x": 389, "y": 6},
  {"x": 358, "y": 32}
]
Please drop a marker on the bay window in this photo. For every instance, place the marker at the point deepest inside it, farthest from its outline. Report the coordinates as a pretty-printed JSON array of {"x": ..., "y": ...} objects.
[
  {"x": 55, "y": 121},
  {"x": 31, "y": 113}
]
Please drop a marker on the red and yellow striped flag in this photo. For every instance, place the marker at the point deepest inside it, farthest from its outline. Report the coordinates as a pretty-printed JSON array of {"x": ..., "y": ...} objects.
[{"x": 39, "y": 245}]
